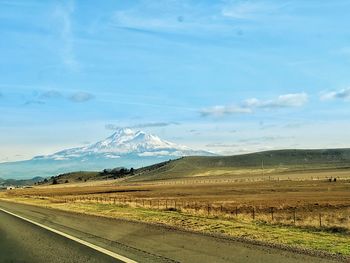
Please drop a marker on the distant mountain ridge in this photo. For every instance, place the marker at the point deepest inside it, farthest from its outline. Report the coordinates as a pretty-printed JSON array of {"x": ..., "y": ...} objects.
[
  {"x": 23, "y": 182},
  {"x": 125, "y": 147}
]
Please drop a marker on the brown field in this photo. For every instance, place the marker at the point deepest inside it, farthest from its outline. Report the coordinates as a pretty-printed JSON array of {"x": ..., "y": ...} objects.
[
  {"x": 302, "y": 209},
  {"x": 298, "y": 201}
]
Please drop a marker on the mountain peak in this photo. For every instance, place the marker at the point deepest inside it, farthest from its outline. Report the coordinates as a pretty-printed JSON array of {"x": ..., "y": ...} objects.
[
  {"x": 121, "y": 135},
  {"x": 123, "y": 132},
  {"x": 132, "y": 139}
]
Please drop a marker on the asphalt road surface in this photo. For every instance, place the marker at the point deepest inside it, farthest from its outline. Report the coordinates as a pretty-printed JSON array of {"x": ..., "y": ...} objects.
[{"x": 22, "y": 241}]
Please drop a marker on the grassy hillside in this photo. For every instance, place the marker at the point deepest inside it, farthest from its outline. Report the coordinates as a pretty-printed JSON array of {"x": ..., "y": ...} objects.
[
  {"x": 246, "y": 165},
  {"x": 84, "y": 176},
  {"x": 272, "y": 161}
]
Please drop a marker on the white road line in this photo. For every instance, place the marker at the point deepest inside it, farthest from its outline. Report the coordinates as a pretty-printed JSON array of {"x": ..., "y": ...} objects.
[{"x": 97, "y": 248}]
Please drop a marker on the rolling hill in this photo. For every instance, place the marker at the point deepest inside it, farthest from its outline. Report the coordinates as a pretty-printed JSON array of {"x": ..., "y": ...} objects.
[{"x": 278, "y": 160}]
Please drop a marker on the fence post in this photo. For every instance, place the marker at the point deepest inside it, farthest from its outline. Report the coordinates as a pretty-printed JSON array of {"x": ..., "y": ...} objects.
[
  {"x": 294, "y": 215},
  {"x": 166, "y": 203},
  {"x": 175, "y": 204},
  {"x": 271, "y": 213},
  {"x": 236, "y": 211},
  {"x": 320, "y": 216},
  {"x": 253, "y": 213},
  {"x": 208, "y": 209}
]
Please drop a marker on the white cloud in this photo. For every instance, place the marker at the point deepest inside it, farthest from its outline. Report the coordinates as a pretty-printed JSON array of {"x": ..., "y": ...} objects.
[
  {"x": 248, "y": 10},
  {"x": 156, "y": 153},
  {"x": 224, "y": 110},
  {"x": 338, "y": 94},
  {"x": 283, "y": 101},
  {"x": 292, "y": 100}
]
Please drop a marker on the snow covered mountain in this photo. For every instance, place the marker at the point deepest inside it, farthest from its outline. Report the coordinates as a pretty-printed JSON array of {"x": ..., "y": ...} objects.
[
  {"x": 125, "y": 147},
  {"x": 127, "y": 142}
]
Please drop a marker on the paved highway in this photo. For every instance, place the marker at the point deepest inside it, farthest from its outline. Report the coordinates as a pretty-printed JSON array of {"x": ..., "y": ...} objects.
[{"x": 22, "y": 241}]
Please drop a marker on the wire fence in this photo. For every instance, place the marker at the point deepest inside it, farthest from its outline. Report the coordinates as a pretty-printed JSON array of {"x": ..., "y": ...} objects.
[{"x": 334, "y": 218}]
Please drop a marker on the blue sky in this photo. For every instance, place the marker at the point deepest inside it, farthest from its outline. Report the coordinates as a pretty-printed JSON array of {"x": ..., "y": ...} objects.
[{"x": 225, "y": 76}]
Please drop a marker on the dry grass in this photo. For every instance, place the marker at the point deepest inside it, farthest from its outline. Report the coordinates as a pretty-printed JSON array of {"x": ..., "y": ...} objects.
[
  {"x": 309, "y": 213},
  {"x": 239, "y": 227}
]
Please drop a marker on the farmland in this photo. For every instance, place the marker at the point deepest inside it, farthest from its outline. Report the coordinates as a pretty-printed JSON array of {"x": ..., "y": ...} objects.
[{"x": 305, "y": 209}]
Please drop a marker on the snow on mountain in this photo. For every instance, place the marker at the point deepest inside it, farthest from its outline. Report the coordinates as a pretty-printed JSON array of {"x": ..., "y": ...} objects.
[
  {"x": 126, "y": 147},
  {"x": 126, "y": 141}
]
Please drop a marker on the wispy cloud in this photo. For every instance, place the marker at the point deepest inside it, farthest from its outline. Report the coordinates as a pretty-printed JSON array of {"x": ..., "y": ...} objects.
[
  {"x": 81, "y": 97},
  {"x": 34, "y": 102},
  {"x": 343, "y": 94},
  {"x": 294, "y": 125},
  {"x": 293, "y": 100},
  {"x": 44, "y": 96},
  {"x": 51, "y": 94},
  {"x": 224, "y": 110},
  {"x": 283, "y": 101},
  {"x": 111, "y": 126},
  {"x": 222, "y": 145},
  {"x": 154, "y": 124},
  {"x": 248, "y": 9},
  {"x": 62, "y": 14},
  {"x": 172, "y": 20},
  {"x": 343, "y": 51},
  {"x": 165, "y": 15},
  {"x": 265, "y": 138}
]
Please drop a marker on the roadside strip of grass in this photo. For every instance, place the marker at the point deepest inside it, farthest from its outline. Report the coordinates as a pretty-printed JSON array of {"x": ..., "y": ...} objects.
[{"x": 308, "y": 240}]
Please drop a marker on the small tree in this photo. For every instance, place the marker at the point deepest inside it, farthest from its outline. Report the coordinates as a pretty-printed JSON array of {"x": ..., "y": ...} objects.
[{"x": 54, "y": 181}]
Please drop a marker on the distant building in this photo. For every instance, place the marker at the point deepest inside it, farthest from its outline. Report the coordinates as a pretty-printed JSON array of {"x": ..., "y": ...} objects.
[{"x": 10, "y": 187}]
